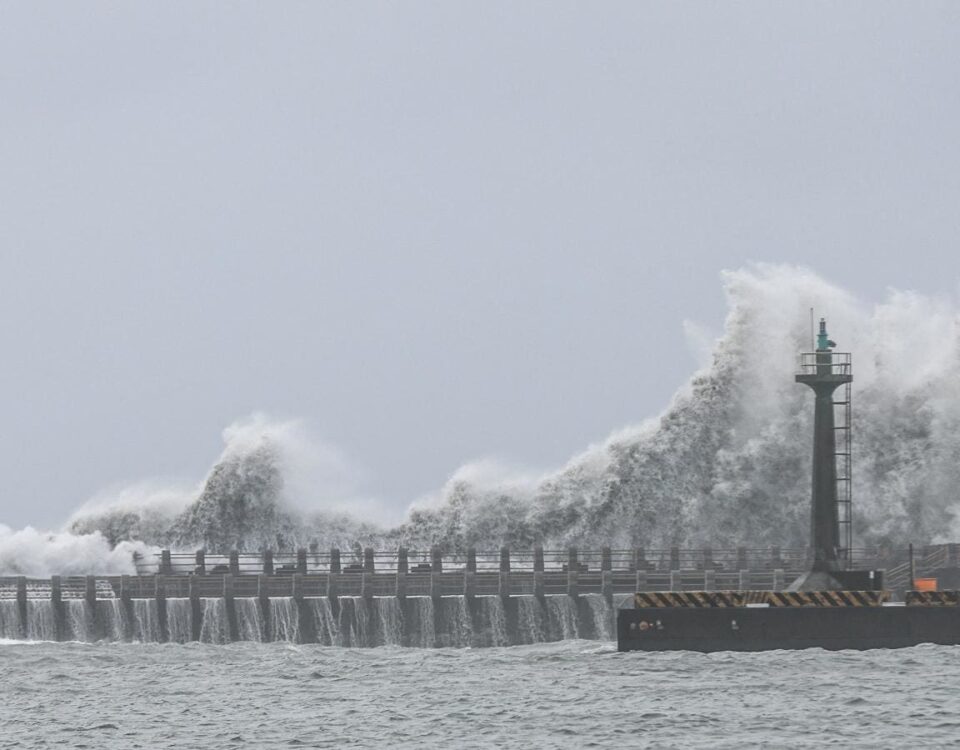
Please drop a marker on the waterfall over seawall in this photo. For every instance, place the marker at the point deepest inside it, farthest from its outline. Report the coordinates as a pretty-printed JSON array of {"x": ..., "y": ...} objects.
[
  {"x": 249, "y": 620},
  {"x": 76, "y": 621},
  {"x": 325, "y": 626},
  {"x": 214, "y": 627},
  {"x": 110, "y": 620},
  {"x": 353, "y": 621},
  {"x": 179, "y": 620},
  {"x": 41, "y": 624},
  {"x": 9, "y": 619},
  {"x": 284, "y": 619},
  {"x": 79, "y": 626},
  {"x": 146, "y": 621}
]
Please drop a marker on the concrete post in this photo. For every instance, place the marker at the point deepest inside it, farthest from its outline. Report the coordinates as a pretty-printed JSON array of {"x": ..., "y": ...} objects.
[
  {"x": 263, "y": 597},
  {"x": 333, "y": 584},
  {"x": 708, "y": 558},
  {"x": 778, "y": 577},
  {"x": 469, "y": 584},
  {"x": 232, "y": 625},
  {"x": 403, "y": 565},
  {"x": 22, "y": 604},
  {"x": 709, "y": 579},
  {"x": 538, "y": 564},
  {"x": 573, "y": 584},
  {"x": 369, "y": 563},
  {"x": 606, "y": 584},
  {"x": 436, "y": 569},
  {"x": 573, "y": 573},
  {"x": 268, "y": 562},
  {"x": 640, "y": 559},
  {"x": 90, "y": 592},
  {"x": 126, "y": 605},
  {"x": 504, "y": 582},
  {"x": 302, "y": 562},
  {"x": 471, "y": 560},
  {"x": 201, "y": 561},
  {"x": 366, "y": 584},
  {"x": 298, "y": 587},
  {"x": 56, "y": 597},
  {"x": 538, "y": 588},
  {"x": 676, "y": 582},
  {"x": 742, "y": 558},
  {"x": 744, "y": 580},
  {"x": 641, "y": 579},
  {"x": 235, "y": 563},
  {"x": 674, "y": 558},
  {"x": 606, "y": 559},
  {"x": 166, "y": 564},
  {"x": 911, "y": 568},
  {"x": 90, "y": 597},
  {"x": 504, "y": 559},
  {"x": 196, "y": 614},
  {"x": 334, "y": 560},
  {"x": 775, "y": 557},
  {"x": 160, "y": 594}
]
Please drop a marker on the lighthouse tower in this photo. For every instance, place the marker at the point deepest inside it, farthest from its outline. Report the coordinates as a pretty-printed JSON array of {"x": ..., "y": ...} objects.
[{"x": 825, "y": 370}]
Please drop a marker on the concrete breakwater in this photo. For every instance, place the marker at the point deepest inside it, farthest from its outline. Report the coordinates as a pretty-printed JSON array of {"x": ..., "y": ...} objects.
[
  {"x": 484, "y": 599},
  {"x": 398, "y": 598},
  {"x": 352, "y": 621}
]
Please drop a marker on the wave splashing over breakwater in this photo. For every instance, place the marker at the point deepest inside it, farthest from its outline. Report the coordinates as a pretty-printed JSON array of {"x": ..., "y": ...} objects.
[{"x": 726, "y": 464}]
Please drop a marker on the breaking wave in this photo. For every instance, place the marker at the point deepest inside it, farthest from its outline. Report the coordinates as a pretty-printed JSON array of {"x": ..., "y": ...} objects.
[
  {"x": 727, "y": 462},
  {"x": 34, "y": 553}
]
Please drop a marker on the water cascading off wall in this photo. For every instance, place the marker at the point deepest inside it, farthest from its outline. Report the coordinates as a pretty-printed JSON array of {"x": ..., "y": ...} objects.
[
  {"x": 79, "y": 626},
  {"x": 41, "y": 621},
  {"x": 146, "y": 621},
  {"x": 214, "y": 626},
  {"x": 354, "y": 622},
  {"x": 9, "y": 619},
  {"x": 179, "y": 620},
  {"x": 249, "y": 620},
  {"x": 284, "y": 619}
]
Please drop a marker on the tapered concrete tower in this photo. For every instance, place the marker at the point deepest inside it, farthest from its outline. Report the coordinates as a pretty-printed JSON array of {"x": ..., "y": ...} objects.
[{"x": 824, "y": 371}]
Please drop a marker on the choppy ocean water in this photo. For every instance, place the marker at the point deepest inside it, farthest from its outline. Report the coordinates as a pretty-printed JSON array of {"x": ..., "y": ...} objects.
[{"x": 569, "y": 694}]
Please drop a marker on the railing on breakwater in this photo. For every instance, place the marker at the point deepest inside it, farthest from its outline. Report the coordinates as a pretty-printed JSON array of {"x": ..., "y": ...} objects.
[
  {"x": 313, "y": 561},
  {"x": 536, "y": 572}
]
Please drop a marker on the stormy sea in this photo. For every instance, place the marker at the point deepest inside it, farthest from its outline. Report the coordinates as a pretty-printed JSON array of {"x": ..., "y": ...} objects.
[{"x": 570, "y": 694}]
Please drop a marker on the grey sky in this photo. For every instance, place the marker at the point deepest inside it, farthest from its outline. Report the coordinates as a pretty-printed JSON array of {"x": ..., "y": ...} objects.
[{"x": 435, "y": 231}]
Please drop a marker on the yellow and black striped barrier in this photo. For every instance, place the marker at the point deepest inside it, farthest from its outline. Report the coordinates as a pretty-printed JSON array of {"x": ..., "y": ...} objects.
[
  {"x": 827, "y": 598},
  {"x": 933, "y": 598},
  {"x": 710, "y": 599},
  {"x": 695, "y": 599}
]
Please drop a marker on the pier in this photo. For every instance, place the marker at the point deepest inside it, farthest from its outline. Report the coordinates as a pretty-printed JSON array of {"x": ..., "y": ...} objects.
[{"x": 402, "y": 597}]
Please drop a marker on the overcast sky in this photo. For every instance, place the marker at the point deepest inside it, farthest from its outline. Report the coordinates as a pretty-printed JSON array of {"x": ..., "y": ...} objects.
[{"x": 434, "y": 231}]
